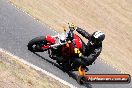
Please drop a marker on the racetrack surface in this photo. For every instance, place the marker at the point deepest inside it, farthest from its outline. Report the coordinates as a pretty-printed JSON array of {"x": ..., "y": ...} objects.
[{"x": 17, "y": 28}]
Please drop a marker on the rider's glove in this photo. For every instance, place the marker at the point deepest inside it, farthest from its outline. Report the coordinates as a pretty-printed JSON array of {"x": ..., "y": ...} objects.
[
  {"x": 77, "y": 51},
  {"x": 72, "y": 26}
]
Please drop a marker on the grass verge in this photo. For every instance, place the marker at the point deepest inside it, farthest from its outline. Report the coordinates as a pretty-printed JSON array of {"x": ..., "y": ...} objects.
[{"x": 15, "y": 74}]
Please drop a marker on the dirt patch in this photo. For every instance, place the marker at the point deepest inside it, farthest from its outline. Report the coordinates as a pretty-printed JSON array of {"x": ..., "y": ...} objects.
[
  {"x": 114, "y": 17},
  {"x": 15, "y": 74}
]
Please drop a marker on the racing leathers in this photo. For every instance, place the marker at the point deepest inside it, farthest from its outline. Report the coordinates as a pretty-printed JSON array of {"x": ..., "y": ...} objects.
[{"x": 90, "y": 51}]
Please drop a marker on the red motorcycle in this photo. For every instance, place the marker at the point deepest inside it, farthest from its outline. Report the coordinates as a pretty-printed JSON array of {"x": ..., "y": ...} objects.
[{"x": 63, "y": 46}]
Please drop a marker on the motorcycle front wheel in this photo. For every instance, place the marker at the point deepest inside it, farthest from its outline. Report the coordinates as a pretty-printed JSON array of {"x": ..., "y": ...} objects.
[{"x": 35, "y": 45}]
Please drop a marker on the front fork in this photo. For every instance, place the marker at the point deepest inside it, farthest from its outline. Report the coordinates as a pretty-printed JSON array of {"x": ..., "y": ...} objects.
[
  {"x": 53, "y": 53},
  {"x": 50, "y": 53}
]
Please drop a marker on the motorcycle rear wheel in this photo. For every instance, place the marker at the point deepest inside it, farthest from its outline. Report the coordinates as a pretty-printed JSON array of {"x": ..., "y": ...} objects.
[{"x": 81, "y": 80}]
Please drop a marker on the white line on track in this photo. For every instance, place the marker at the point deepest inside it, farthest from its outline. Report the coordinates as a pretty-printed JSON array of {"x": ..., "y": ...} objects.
[{"x": 37, "y": 68}]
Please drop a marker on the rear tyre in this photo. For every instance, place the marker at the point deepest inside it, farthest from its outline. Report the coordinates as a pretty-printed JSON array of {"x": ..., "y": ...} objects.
[
  {"x": 81, "y": 80},
  {"x": 35, "y": 45}
]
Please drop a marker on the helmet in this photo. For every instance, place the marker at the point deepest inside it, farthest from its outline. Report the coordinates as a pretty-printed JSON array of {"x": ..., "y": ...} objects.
[{"x": 97, "y": 37}]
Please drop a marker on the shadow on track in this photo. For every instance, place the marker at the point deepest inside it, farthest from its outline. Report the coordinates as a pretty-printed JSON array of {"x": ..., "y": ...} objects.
[{"x": 71, "y": 74}]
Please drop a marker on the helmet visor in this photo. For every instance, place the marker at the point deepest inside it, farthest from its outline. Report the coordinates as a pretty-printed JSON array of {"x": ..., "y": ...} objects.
[{"x": 93, "y": 40}]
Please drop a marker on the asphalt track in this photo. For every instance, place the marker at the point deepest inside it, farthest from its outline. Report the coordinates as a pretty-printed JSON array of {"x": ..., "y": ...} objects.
[{"x": 17, "y": 28}]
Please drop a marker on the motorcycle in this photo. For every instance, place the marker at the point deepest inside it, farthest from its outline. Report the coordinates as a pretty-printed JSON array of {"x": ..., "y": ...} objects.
[{"x": 61, "y": 45}]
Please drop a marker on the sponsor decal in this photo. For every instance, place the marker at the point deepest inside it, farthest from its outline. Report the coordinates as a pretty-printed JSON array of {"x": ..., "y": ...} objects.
[{"x": 108, "y": 78}]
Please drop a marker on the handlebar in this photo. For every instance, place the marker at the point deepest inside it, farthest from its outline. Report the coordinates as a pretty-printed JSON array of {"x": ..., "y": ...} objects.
[
  {"x": 60, "y": 44},
  {"x": 69, "y": 37}
]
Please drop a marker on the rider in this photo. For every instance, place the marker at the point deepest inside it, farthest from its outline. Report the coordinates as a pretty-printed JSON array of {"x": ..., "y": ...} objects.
[
  {"x": 90, "y": 51},
  {"x": 93, "y": 48}
]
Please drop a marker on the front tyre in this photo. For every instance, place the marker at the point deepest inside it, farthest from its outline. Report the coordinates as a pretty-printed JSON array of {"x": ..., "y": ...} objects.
[{"x": 35, "y": 45}]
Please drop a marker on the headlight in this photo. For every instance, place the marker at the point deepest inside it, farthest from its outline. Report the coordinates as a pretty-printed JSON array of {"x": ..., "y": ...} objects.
[{"x": 62, "y": 37}]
